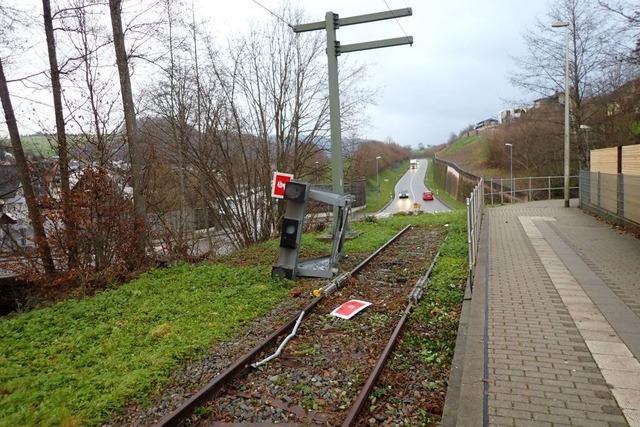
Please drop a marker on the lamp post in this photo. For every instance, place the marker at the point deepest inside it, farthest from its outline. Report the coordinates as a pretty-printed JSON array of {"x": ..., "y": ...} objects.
[
  {"x": 511, "y": 167},
  {"x": 317, "y": 171},
  {"x": 377, "y": 174},
  {"x": 561, "y": 24}
]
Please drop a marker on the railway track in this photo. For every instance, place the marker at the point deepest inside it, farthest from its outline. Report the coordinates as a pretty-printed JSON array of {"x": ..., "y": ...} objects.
[{"x": 328, "y": 370}]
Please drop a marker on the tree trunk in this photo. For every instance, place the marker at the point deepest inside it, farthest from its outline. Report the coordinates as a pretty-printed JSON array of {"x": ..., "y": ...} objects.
[
  {"x": 25, "y": 177},
  {"x": 135, "y": 151},
  {"x": 63, "y": 153}
]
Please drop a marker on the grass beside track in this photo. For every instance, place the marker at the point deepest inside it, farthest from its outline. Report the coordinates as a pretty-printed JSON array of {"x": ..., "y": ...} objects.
[
  {"x": 389, "y": 177},
  {"x": 439, "y": 312},
  {"x": 422, "y": 359},
  {"x": 78, "y": 361},
  {"x": 442, "y": 194}
]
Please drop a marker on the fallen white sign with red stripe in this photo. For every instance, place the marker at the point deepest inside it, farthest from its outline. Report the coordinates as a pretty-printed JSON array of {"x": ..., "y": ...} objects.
[{"x": 350, "y": 308}]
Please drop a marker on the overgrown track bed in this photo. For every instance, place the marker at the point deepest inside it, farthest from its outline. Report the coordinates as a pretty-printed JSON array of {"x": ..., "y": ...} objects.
[{"x": 318, "y": 376}]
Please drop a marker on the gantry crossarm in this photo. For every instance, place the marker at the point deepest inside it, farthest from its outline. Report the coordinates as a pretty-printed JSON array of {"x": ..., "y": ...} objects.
[{"x": 353, "y": 20}]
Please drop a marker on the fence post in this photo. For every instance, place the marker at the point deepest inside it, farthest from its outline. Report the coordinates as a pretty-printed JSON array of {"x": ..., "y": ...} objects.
[
  {"x": 598, "y": 190},
  {"x": 482, "y": 191},
  {"x": 549, "y": 187},
  {"x": 620, "y": 195},
  {"x": 530, "y": 189},
  {"x": 501, "y": 191}
]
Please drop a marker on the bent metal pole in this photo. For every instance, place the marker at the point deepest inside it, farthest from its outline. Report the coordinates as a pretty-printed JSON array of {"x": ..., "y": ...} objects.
[{"x": 331, "y": 23}]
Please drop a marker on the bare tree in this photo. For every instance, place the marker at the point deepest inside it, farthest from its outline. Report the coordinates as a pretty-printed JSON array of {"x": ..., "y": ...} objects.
[
  {"x": 592, "y": 46},
  {"x": 629, "y": 12},
  {"x": 35, "y": 215},
  {"x": 136, "y": 155},
  {"x": 62, "y": 146}
]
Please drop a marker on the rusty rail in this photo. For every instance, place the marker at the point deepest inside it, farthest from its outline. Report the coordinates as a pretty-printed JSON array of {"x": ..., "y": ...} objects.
[
  {"x": 241, "y": 365},
  {"x": 361, "y": 399}
]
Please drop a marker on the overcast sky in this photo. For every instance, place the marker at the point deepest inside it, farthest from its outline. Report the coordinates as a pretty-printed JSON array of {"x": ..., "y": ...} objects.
[{"x": 456, "y": 73}]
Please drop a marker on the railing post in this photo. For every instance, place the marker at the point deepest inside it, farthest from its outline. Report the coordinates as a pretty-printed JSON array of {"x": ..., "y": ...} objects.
[
  {"x": 530, "y": 189},
  {"x": 469, "y": 242},
  {"x": 549, "y": 187},
  {"x": 491, "y": 190},
  {"x": 477, "y": 223},
  {"x": 501, "y": 191},
  {"x": 513, "y": 188}
]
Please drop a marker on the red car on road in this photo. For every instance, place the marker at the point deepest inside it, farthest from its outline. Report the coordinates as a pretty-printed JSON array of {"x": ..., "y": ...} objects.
[{"x": 427, "y": 195}]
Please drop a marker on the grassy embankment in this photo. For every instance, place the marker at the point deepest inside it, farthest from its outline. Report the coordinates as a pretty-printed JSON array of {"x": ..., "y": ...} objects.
[
  {"x": 471, "y": 153},
  {"x": 440, "y": 192},
  {"x": 80, "y": 360},
  {"x": 37, "y": 144},
  {"x": 376, "y": 200}
]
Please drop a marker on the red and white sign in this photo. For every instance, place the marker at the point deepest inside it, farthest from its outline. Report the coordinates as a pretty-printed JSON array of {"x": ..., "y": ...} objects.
[
  {"x": 350, "y": 308},
  {"x": 280, "y": 180}
]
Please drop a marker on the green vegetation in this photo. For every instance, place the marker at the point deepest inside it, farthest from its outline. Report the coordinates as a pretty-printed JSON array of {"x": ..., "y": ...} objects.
[
  {"x": 80, "y": 360},
  {"x": 75, "y": 362},
  {"x": 442, "y": 194},
  {"x": 376, "y": 200},
  {"x": 37, "y": 144},
  {"x": 442, "y": 303},
  {"x": 459, "y": 144},
  {"x": 432, "y": 331},
  {"x": 472, "y": 154}
]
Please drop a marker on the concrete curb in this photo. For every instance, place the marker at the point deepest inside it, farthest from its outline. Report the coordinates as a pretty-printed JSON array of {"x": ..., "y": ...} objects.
[
  {"x": 452, "y": 400},
  {"x": 465, "y": 400}
]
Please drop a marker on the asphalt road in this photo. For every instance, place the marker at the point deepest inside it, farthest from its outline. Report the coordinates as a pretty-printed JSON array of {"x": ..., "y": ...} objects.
[{"x": 413, "y": 181}]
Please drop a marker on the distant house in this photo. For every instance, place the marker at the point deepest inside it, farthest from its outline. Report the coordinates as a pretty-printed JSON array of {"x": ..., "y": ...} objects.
[
  {"x": 14, "y": 219},
  {"x": 510, "y": 114},
  {"x": 556, "y": 98},
  {"x": 488, "y": 123}
]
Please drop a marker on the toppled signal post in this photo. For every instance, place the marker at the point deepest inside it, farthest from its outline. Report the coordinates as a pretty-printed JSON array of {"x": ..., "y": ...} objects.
[
  {"x": 296, "y": 195},
  {"x": 331, "y": 23}
]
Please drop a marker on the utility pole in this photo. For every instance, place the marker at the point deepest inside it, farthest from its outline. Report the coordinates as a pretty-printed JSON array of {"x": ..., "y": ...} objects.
[
  {"x": 331, "y": 23},
  {"x": 567, "y": 101}
]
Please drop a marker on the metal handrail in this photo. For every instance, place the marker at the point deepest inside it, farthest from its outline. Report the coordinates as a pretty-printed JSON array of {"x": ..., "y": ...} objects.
[
  {"x": 475, "y": 210},
  {"x": 508, "y": 188}
]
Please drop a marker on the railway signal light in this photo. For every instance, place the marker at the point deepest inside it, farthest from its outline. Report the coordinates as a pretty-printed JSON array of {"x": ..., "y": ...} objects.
[{"x": 296, "y": 194}]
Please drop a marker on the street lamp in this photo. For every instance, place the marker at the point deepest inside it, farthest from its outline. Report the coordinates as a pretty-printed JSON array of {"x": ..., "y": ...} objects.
[
  {"x": 317, "y": 171},
  {"x": 511, "y": 167},
  {"x": 560, "y": 24},
  {"x": 377, "y": 174}
]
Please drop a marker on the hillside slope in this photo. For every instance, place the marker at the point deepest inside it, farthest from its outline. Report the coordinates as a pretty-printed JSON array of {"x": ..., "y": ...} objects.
[{"x": 471, "y": 154}]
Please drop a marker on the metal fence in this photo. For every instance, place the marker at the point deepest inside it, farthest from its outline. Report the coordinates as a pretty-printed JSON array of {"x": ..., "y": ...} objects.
[
  {"x": 616, "y": 196},
  {"x": 506, "y": 190},
  {"x": 475, "y": 209}
]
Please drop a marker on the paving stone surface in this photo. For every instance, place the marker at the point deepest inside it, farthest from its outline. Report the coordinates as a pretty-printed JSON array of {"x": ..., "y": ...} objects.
[{"x": 558, "y": 355}]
